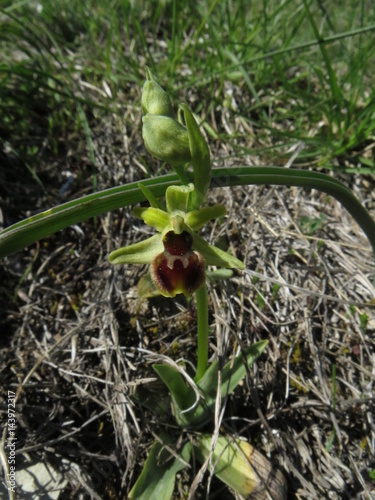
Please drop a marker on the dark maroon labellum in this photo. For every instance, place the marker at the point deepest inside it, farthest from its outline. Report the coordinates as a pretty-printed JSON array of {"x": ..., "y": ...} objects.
[{"x": 178, "y": 269}]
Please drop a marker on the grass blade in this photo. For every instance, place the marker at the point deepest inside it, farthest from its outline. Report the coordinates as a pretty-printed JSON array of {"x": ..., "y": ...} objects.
[{"x": 336, "y": 93}]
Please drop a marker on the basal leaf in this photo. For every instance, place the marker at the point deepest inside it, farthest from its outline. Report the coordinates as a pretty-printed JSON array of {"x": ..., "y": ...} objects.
[
  {"x": 183, "y": 397},
  {"x": 233, "y": 372},
  {"x": 239, "y": 465},
  {"x": 158, "y": 476}
]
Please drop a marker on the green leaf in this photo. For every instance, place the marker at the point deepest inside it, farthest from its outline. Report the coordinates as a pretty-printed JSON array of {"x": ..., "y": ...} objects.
[
  {"x": 229, "y": 462},
  {"x": 32, "y": 229},
  {"x": 183, "y": 397},
  {"x": 39, "y": 226},
  {"x": 158, "y": 476},
  {"x": 232, "y": 374},
  {"x": 183, "y": 394},
  {"x": 219, "y": 274},
  {"x": 241, "y": 467},
  {"x": 142, "y": 252}
]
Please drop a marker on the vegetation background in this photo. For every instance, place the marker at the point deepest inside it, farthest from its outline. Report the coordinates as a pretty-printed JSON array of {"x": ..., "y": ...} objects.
[{"x": 282, "y": 83}]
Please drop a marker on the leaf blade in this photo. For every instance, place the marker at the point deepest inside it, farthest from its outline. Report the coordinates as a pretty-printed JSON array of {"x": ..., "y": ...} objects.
[
  {"x": 157, "y": 479},
  {"x": 28, "y": 231}
]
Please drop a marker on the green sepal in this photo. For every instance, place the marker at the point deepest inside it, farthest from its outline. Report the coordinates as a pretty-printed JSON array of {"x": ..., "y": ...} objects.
[
  {"x": 213, "y": 256},
  {"x": 199, "y": 218},
  {"x": 158, "y": 477},
  {"x": 153, "y": 217},
  {"x": 138, "y": 253},
  {"x": 177, "y": 198},
  {"x": 200, "y": 158}
]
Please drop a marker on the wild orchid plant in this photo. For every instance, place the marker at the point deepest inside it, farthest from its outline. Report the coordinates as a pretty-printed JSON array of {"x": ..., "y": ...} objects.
[{"x": 178, "y": 258}]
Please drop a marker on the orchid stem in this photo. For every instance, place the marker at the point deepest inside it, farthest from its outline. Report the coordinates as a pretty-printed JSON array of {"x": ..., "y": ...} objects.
[{"x": 202, "y": 314}]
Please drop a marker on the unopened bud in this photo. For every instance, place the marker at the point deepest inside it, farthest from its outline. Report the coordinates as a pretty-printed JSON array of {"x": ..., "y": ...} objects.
[
  {"x": 166, "y": 139},
  {"x": 154, "y": 99}
]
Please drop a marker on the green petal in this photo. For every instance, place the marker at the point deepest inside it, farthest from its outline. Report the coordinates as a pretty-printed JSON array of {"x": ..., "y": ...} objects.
[
  {"x": 139, "y": 253},
  {"x": 214, "y": 256},
  {"x": 153, "y": 217},
  {"x": 199, "y": 218},
  {"x": 177, "y": 198}
]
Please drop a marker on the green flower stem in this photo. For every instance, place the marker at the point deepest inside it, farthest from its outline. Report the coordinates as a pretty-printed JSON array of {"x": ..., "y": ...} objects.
[
  {"x": 202, "y": 314},
  {"x": 40, "y": 226}
]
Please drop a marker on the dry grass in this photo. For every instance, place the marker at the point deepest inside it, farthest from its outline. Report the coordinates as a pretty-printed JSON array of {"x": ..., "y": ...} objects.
[{"x": 77, "y": 341}]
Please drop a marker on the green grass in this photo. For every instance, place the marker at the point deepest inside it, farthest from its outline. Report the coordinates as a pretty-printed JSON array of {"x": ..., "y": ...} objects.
[{"x": 299, "y": 72}]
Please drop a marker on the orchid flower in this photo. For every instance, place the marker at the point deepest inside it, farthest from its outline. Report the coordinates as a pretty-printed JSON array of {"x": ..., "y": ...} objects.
[{"x": 177, "y": 255}]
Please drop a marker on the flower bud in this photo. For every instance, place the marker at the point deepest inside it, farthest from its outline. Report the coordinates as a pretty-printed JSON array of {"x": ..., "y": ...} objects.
[
  {"x": 166, "y": 139},
  {"x": 155, "y": 100}
]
